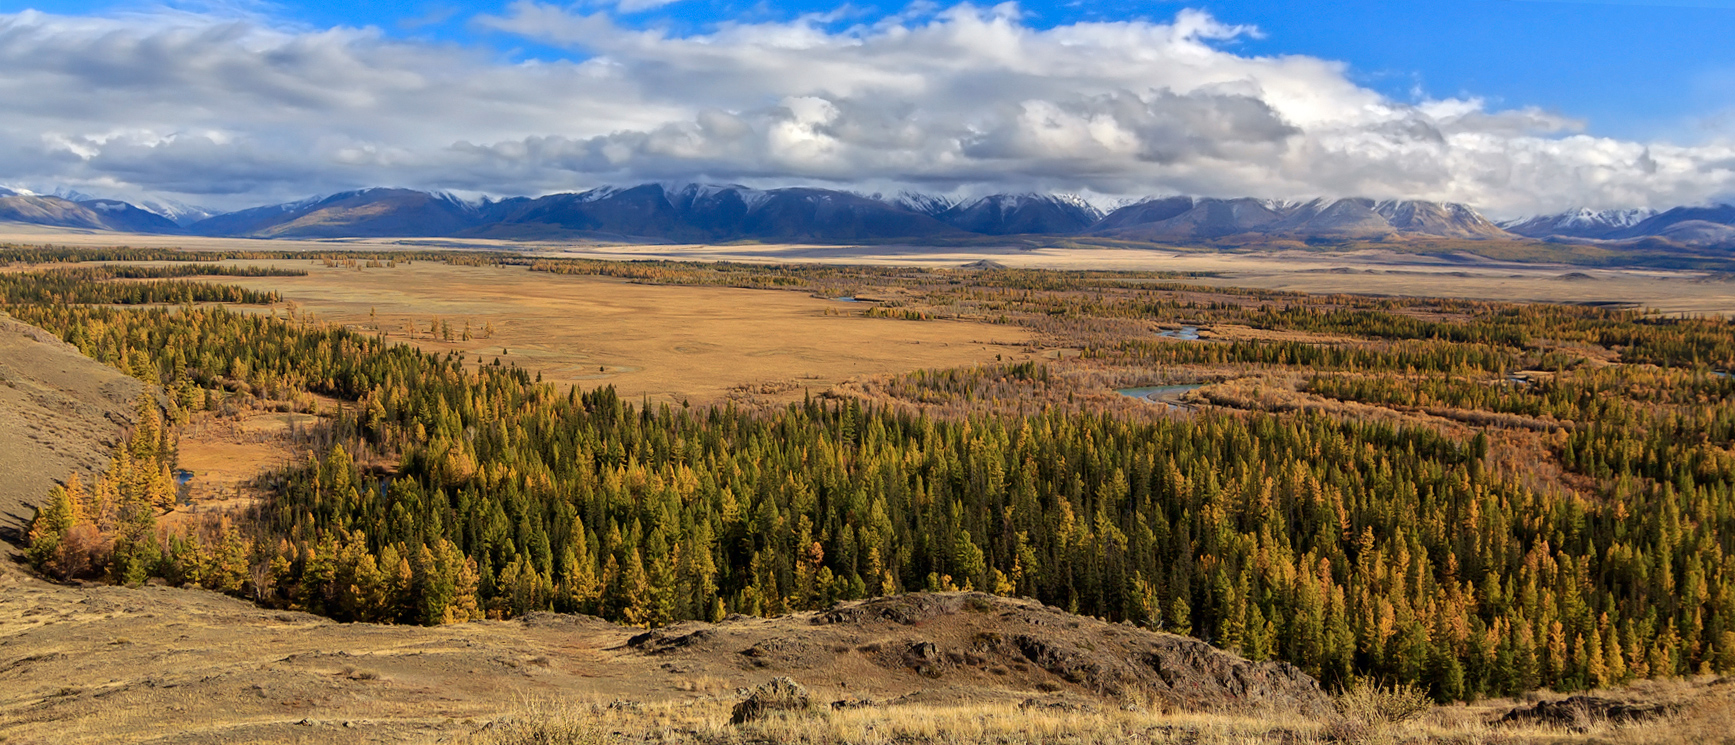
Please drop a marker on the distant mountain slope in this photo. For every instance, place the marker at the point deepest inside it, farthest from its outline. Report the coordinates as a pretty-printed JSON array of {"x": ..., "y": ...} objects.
[
  {"x": 1017, "y": 214},
  {"x": 1712, "y": 226},
  {"x": 96, "y": 214},
  {"x": 1698, "y": 225},
  {"x": 356, "y": 214},
  {"x": 931, "y": 205},
  {"x": 697, "y": 212},
  {"x": 180, "y": 213},
  {"x": 1190, "y": 218},
  {"x": 1578, "y": 223},
  {"x": 693, "y": 212},
  {"x": 1445, "y": 219}
]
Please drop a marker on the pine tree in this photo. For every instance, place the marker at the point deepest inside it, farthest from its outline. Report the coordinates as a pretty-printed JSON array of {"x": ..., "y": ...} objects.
[{"x": 49, "y": 529}]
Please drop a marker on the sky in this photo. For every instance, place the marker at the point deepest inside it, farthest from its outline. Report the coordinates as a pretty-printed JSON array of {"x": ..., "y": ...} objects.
[{"x": 1515, "y": 107}]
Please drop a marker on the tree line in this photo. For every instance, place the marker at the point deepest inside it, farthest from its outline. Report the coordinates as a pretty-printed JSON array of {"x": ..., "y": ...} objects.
[{"x": 1353, "y": 549}]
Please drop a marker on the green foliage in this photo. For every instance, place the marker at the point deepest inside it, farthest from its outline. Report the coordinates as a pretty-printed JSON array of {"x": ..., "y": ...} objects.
[
  {"x": 91, "y": 285},
  {"x": 1353, "y": 549}
]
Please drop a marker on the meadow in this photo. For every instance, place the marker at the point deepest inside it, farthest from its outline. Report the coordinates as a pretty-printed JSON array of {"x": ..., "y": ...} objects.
[{"x": 1473, "y": 499}]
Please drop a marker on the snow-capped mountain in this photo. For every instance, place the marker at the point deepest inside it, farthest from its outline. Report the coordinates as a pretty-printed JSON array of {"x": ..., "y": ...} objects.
[
  {"x": 24, "y": 206},
  {"x": 1193, "y": 218},
  {"x": 931, "y": 205},
  {"x": 1015, "y": 214},
  {"x": 708, "y": 212},
  {"x": 180, "y": 213},
  {"x": 1582, "y": 222},
  {"x": 362, "y": 213}
]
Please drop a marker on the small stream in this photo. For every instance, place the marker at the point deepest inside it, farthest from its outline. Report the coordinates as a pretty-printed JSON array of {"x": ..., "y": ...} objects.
[
  {"x": 183, "y": 489},
  {"x": 1185, "y": 333},
  {"x": 1166, "y": 395}
]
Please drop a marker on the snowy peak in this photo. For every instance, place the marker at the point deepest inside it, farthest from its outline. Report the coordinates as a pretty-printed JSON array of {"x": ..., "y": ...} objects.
[
  {"x": 180, "y": 213},
  {"x": 1712, "y": 225},
  {"x": 932, "y": 205},
  {"x": 1582, "y": 222},
  {"x": 1189, "y": 218},
  {"x": 24, "y": 206},
  {"x": 707, "y": 212},
  {"x": 1022, "y": 214}
]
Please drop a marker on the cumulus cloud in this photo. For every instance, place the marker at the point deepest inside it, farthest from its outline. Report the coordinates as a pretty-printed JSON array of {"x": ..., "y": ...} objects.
[{"x": 960, "y": 99}]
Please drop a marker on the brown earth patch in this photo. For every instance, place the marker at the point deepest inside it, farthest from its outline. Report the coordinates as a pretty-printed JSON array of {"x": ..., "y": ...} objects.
[
  {"x": 116, "y": 664},
  {"x": 668, "y": 343},
  {"x": 60, "y": 414}
]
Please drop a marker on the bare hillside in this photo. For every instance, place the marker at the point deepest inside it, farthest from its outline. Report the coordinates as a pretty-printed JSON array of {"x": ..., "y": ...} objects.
[
  {"x": 156, "y": 664},
  {"x": 60, "y": 412}
]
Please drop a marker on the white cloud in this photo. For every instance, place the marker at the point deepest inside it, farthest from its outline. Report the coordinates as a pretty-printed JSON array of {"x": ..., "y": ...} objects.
[
  {"x": 640, "y": 6},
  {"x": 215, "y": 109}
]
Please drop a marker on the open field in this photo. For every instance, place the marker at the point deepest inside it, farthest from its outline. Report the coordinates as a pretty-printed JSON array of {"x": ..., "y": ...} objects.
[
  {"x": 671, "y": 344},
  {"x": 225, "y": 454},
  {"x": 1484, "y": 407},
  {"x": 1362, "y": 271}
]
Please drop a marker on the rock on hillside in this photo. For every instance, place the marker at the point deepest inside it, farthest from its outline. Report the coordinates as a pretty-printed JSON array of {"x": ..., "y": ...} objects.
[{"x": 974, "y": 640}]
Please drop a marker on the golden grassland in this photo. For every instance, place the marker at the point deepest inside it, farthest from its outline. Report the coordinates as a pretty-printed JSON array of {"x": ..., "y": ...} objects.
[
  {"x": 670, "y": 344},
  {"x": 1514, "y": 271},
  {"x": 1705, "y": 709}
]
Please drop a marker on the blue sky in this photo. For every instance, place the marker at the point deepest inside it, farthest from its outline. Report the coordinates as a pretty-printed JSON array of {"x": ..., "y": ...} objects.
[
  {"x": 1513, "y": 106},
  {"x": 1627, "y": 68}
]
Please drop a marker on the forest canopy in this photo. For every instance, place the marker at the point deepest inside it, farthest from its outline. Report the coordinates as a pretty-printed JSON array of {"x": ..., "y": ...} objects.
[{"x": 1399, "y": 548}]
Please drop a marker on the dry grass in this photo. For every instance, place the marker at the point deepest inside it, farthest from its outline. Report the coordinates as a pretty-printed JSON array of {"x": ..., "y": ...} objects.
[
  {"x": 226, "y": 453},
  {"x": 1368, "y": 716},
  {"x": 668, "y": 343},
  {"x": 997, "y": 722},
  {"x": 1393, "y": 270}
]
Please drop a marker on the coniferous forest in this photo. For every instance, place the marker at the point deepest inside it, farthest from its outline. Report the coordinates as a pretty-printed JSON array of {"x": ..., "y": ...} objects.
[{"x": 1547, "y": 498}]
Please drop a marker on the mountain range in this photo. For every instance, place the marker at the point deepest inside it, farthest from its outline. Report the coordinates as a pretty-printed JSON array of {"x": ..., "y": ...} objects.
[
  {"x": 1692, "y": 226},
  {"x": 17, "y": 205},
  {"x": 723, "y": 213}
]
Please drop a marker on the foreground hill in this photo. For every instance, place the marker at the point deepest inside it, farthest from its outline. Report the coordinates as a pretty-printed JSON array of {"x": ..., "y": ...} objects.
[
  {"x": 113, "y": 664},
  {"x": 60, "y": 412}
]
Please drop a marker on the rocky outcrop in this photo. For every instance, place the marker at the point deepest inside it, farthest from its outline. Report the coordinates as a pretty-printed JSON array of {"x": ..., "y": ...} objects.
[
  {"x": 973, "y": 631},
  {"x": 781, "y": 694},
  {"x": 1580, "y": 712}
]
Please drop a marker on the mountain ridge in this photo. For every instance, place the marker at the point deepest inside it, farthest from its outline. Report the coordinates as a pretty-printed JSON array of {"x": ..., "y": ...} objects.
[{"x": 712, "y": 212}]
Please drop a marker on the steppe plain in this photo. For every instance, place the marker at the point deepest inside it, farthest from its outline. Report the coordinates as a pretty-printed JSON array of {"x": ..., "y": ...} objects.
[
  {"x": 155, "y": 664},
  {"x": 1366, "y": 270}
]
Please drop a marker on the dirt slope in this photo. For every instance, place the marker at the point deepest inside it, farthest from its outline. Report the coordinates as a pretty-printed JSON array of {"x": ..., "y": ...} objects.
[
  {"x": 157, "y": 664},
  {"x": 60, "y": 412}
]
